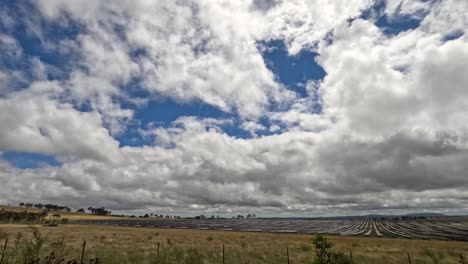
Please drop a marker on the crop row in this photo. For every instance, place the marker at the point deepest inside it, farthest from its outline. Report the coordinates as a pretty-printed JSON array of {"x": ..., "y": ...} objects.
[{"x": 420, "y": 229}]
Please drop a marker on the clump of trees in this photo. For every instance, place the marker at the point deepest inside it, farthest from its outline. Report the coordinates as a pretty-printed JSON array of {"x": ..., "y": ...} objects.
[
  {"x": 99, "y": 211},
  {"x": 56, "y": 207},
  {"x": 49, "y": 207},
  {"x": 30, "y": 217},
  {"x": 151, "y": 215},
  {"x": 242, "y": 217}
]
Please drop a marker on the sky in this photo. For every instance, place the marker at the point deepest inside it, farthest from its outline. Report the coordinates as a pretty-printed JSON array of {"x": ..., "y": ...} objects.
[{"x": 218, "y": 107}]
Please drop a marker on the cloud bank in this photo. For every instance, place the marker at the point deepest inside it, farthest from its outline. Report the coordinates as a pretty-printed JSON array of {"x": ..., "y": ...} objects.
[{"x": 384, "y": 131}]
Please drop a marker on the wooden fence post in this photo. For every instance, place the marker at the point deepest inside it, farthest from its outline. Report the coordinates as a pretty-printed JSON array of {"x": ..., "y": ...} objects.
[
  {"x": 409, "y": 259},
  {"x": 83, "y": 251},
  {"x": 157, "y": 254},
  {"x": 350, "y": 254},
  {"x": 4, "y": 249},
  {"x": 223, "y": 253},
  {"x": 287, "y": 253},
  {"x": 461, "y": 257}
]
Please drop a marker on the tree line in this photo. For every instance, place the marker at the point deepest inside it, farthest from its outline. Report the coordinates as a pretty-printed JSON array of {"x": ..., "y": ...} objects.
[
  {"x": 96, "y": 211},
  {"x": 104, "y": 211},
  {"x": 31, "y": 217},
  {"x": 153, "y": 215},
  {"x": 56, "y": 207},
  {"x": 49, "y": 207}
]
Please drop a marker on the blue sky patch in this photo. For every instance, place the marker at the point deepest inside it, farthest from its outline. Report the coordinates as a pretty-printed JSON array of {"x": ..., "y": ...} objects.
[
  {"x": 395, "y": 26},
  {"x": 167, "y": 111},
  {"x": 376, "y": 10},
  {"x": 41, "y": 43},
  {"x": 292, "y": 71},
  {"x": 453, "y": 36},
  {"x": 162, "y": 113},
  {"x": 27, "y": 160},
  {"x": 392, "y": 25}
]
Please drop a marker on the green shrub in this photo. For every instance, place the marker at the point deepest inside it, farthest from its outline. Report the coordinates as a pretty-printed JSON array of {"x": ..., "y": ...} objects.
[
  {"x": 435, "y": 256},
  {"x": 323, "y": 254}
]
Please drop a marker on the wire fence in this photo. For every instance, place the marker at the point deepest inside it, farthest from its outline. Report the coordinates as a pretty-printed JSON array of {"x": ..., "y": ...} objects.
[
  {"x": 223, "y": 258},
  {"x": 164, "y": 253}
]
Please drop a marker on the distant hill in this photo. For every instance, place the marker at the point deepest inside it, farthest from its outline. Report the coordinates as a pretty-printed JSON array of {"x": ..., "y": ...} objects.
[
  {"x": 425, "y": 215},
  {"x": 407, "y": 215},
  {"x": 371, "y": 216}
]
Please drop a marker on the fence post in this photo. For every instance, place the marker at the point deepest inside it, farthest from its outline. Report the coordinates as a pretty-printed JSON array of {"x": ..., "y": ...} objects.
[
  {"x": 157, "y": 254},
  {"x": 223, "y": 253},
  {"x": 287, "y": 253},
  {"x": 4, "y": 249},
  {"x": 83, "y": 251},
  {"x": 409, "y": 259},
  {"x": 461, "y": 257},
  {"x": 350, "y": 254}
]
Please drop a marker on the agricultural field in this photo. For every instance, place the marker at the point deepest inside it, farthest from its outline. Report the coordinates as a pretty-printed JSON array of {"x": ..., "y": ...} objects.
[
  {"x": 112, "y": 239},
  {"x": 446, "y": 229},
  {"x": 115, "y": 244}
]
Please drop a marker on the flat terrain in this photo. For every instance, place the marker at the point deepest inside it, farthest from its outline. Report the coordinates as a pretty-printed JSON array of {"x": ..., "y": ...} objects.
[
  {"x": 138, "y": 245},
  {"x": 454, "y": 229},
  {"x": 135, "y": 240}
]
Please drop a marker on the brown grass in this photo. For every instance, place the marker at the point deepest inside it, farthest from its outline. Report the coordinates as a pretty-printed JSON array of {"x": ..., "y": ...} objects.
[
  {"x": 18, "y": 209},
  {"x": 245, "y": 247}
]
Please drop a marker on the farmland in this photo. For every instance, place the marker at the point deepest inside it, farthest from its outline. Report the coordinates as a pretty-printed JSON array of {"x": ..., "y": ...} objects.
[
  {"x": 446, "y": 229},
  {"x": 251, "y": 240},
  {"x": 115, "y": 244}
]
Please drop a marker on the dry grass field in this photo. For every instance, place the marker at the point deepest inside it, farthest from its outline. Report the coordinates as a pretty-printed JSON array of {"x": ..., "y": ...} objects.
[
  {"x": 112, "y": 244},
  {"x": 139, "y": 245}
]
